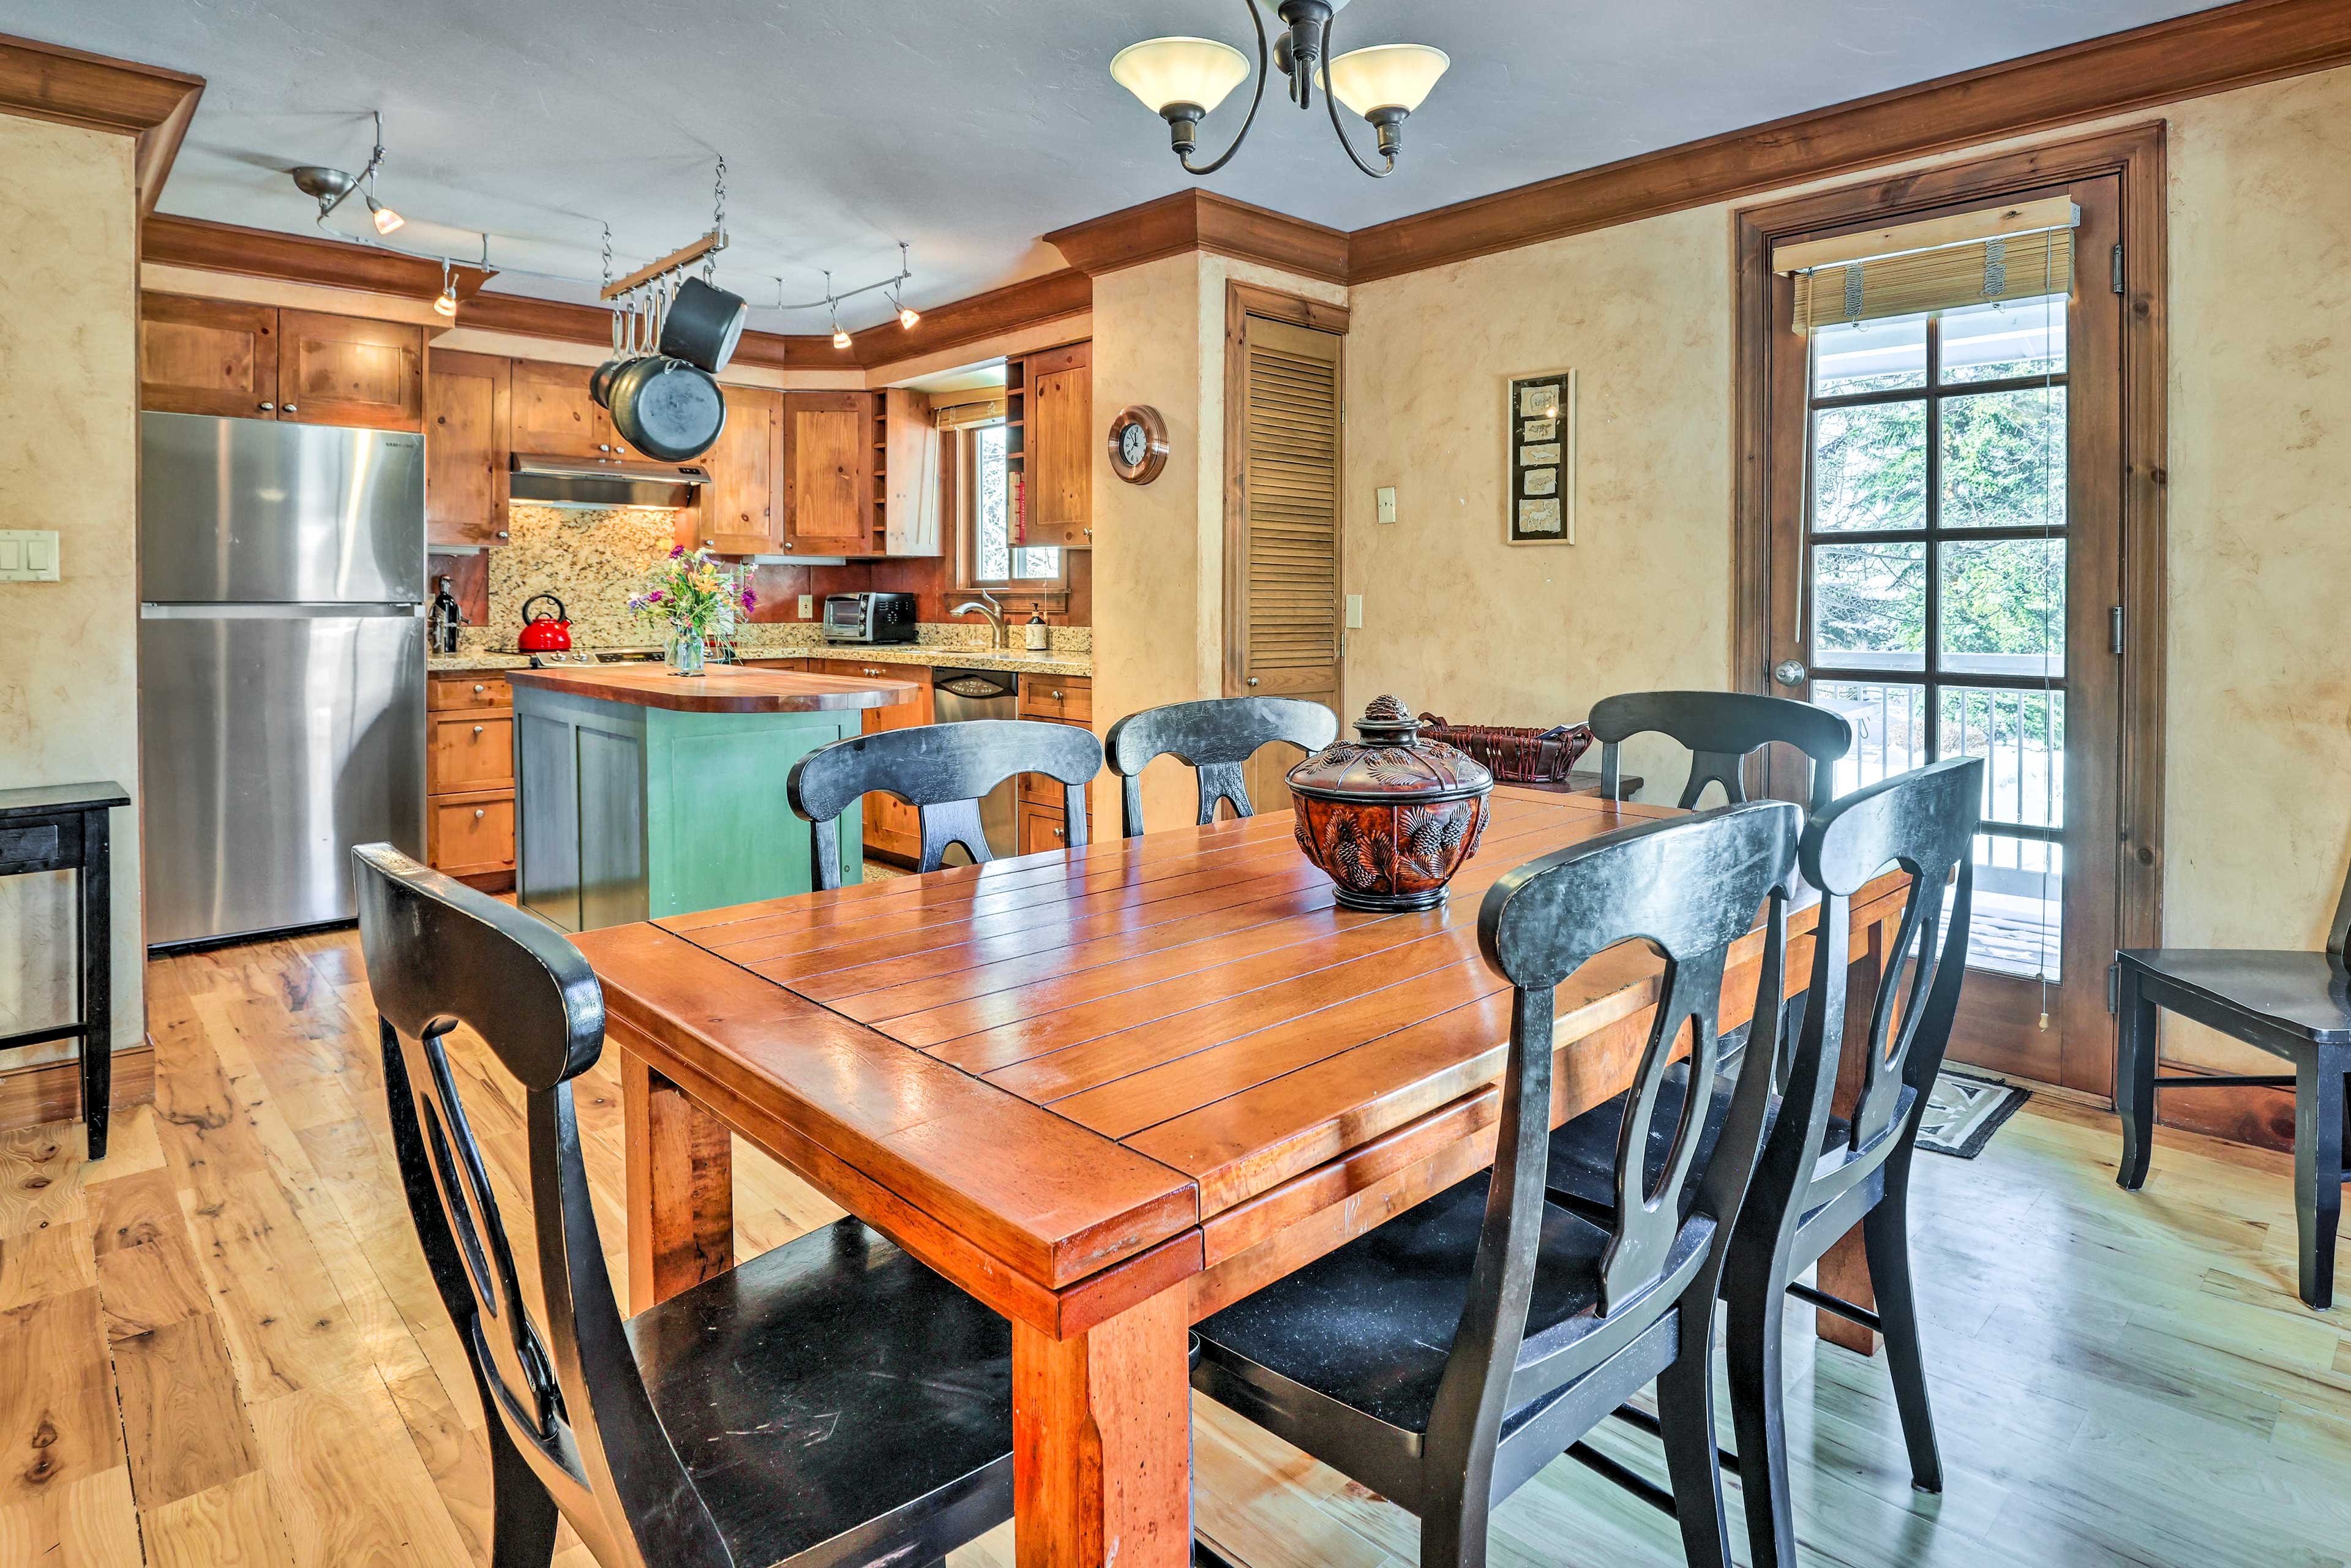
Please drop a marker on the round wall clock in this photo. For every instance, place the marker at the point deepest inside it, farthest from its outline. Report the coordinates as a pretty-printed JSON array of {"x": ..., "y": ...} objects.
[{"x": 1138, "y": 444}]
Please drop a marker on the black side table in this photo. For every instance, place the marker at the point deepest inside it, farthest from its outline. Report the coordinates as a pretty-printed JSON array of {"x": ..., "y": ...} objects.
[{"x": 63, "y": 827}]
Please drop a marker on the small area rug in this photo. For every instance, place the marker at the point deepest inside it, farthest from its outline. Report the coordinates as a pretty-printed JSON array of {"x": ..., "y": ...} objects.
[{"x": 1965, "y": 1111}]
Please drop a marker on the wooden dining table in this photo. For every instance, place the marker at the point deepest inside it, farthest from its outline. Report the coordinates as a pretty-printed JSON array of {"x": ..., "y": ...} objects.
[{"x": 1109, "y": 1091}]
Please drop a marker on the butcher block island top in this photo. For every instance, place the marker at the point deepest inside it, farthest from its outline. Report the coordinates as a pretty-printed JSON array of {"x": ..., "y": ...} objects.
[{"x": 722, "y": 690}]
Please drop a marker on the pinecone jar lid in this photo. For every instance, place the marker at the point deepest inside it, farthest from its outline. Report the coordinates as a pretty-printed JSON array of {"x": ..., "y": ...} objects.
[
  {"x": 1388, "y": 816},
  {"x": 1390, "y": 762}
]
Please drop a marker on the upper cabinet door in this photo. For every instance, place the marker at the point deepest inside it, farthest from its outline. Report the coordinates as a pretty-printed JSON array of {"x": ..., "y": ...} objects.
[
  {"x": 466, "y": 411},
  {"x": 741, "y": 510},
  {"x": 1060, "y": 449},
  {"x": 910, "y": 514},
  {"x": 553, "y": 412},
  {"x": 343, "y": 369},
  {"x": 829, "y": 472},
  {"x": 207, "y": 356}
]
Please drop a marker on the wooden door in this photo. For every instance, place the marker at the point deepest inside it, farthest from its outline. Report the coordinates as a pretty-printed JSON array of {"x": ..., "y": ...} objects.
[
  {"x": 829, "y": 472},
  {"x": 554, "y": 415},
  {"x": 1947, "y": 554},
  {"x": 207, "y": 356},
  {"x": 910, "y": 475},
  {"x": 346, "y": 370},
  {"x": 1060, "y": 448},
  {"x": 741, "y": 510},
  {"x": 466, "y": 414},
  {"x": 1281, "y": 522}
]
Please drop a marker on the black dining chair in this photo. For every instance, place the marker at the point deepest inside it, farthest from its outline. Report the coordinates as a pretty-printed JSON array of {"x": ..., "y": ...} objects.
[
  {"x": 941, "y": 771},
  {"x": 1444, "y": 1357},
  {"x": 1215, "y": 738},
  {"x": 830, "y": 1401},
  {"x": 2296, "y": 1006},
  {"x": 1821, "y": 1174},
  {"x": 1720, "y": 729}
]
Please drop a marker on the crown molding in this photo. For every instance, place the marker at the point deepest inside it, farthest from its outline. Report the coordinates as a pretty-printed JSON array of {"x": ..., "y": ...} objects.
[
  {"x": 1031, "y": 302},
  {"x": 2189, "y": 57},
  {"x": 173, "y": 241},
  {"x": 73, "y": 86},
  {"x": 1195, "y": 219}
]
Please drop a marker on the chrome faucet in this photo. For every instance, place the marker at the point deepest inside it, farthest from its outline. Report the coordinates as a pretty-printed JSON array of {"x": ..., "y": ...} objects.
[{"x": 986, "y": 605}]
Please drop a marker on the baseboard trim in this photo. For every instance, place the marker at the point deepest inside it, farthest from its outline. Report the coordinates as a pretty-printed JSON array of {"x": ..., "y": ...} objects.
[{"x": 52, "y": 1091}]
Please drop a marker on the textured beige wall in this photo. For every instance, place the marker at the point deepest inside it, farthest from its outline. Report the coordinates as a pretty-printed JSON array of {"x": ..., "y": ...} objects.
[
  {"x": 2259, "y": 683},
  {"x": 68, "y": 446}
]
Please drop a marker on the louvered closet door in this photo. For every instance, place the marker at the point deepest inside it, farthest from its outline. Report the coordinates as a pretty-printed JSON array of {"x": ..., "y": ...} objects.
[{"x": 1283, "y": 610}]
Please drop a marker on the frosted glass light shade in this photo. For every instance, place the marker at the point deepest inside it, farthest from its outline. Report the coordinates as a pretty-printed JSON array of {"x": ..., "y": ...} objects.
[
  {"x": 1385, "y": 76},
  {"x": 1160, "y": 72}
]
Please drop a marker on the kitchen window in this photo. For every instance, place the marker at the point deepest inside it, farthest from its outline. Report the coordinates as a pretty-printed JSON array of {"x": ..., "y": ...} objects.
[{"x": 980, "y": 503}]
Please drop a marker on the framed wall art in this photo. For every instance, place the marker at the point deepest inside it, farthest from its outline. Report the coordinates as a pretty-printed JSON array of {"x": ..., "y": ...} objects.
[{"x": 1540, "y": 434}]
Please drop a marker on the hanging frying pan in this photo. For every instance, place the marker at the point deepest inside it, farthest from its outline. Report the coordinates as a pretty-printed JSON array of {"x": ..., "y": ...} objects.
[
  {"x": 666, "y": 409},
  {"x": 624, "y": 349},
  {"x": 704, "y": 324}
]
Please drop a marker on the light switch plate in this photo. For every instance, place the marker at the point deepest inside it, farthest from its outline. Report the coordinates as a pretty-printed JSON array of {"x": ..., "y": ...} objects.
[
  {"x": 808, "y": 606},
  {"x": 1355, "y": 613},
  {"x": 1388, "y": 503},
  {"x": 28, "y": 555}
]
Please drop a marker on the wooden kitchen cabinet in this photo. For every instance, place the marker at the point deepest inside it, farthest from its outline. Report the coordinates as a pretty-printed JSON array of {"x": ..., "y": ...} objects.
[
  {"x": 910, "y": 475},
  {"x": 1058, "y": 447},
  {"x": 553, "y": 413},
  {"x": 469, "y": 751},
  {"x": 469, "y": 807},
  {"x": 1055, "y": 699},
  {"x": 468, "y": 408},
  {"x": 741, "y": 511},
  {"x": 828, "y": 463},
  {"x": 259, "y": 361},
  {"x": 207, "y": 356},
  {"x": 892, "y": 828}
]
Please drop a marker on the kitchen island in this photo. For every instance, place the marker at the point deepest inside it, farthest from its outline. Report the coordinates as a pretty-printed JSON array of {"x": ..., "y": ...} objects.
[{"x": 640, "y": 794}]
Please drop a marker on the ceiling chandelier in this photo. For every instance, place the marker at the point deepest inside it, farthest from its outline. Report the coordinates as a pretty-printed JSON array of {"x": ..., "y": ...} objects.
[{"x": 1182, "y": 80}]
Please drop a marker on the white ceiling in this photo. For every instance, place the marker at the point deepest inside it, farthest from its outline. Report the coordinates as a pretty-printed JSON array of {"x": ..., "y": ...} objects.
[{"x": 965, "y": 127}]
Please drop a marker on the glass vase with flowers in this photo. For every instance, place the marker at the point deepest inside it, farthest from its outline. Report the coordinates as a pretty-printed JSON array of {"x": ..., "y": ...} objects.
[{"x": 692, "y": 596}]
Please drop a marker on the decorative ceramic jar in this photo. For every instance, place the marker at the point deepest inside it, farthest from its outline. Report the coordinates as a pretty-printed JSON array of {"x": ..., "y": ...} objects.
[{"x": 1390, "y": 817}]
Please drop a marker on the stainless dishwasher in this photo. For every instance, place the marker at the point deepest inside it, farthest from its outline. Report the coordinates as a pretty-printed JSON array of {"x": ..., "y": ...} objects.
[{"x": 959, "y": 696}]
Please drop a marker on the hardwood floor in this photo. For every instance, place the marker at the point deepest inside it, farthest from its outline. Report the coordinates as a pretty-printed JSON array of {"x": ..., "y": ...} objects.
[{"x": 219, "y": 1347}]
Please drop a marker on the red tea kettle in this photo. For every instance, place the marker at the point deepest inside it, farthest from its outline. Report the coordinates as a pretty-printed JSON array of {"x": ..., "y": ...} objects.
[{"x": 544, "y": 633}]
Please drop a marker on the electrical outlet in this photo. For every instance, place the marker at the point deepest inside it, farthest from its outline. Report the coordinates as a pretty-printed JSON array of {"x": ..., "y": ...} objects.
[
  {"x": 28, "y": 555},
  {"x": 1355, "y": 613},
  {"x": 1388, "y": 503},
  {"x": 808, "y": 606}
]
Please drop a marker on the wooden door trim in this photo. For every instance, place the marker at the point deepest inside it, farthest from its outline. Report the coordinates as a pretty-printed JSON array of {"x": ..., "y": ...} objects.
[
  {"x": 2135, "y": 156},
  {"x": 1243, "y": 301}
]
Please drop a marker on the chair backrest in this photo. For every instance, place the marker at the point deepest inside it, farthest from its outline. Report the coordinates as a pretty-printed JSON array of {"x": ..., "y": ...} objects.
[
  {"x": 941, "y": 771},
  {"x": 1721, "y": 729},
  {"x": 1923, "y": 822},
  {"x": 550, "y": 1357},
  {"x": 1216, "y": 737},
  {"x": 1689, "y": 888}
]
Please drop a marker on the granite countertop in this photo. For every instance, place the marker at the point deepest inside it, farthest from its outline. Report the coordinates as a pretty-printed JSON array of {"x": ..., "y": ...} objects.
[{"x": 1067, "y": 663}]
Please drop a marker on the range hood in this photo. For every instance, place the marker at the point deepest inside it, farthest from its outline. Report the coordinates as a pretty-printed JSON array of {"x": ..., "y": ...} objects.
[{"x": 548, "y": 479}]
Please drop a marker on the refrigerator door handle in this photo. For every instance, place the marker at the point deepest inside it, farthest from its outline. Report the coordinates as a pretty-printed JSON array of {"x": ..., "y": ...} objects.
[{"x": 154, "y": 612}]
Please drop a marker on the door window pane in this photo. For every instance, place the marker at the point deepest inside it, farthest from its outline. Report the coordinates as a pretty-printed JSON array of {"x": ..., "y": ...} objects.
[
  {"x": 1997, "y": 342},
  {"x": 1869, "y": 356},
  {"x": 2022, "y": 738},
  {"x": 2003, "y": 608},
  {"x": 2004, "y": 459},
  {"x": 1870, "y": 606},
  {"x": 1889, "y": 730},
  {"x": 1869, "y": 466},
  {"x": 2017, "y": 924}
]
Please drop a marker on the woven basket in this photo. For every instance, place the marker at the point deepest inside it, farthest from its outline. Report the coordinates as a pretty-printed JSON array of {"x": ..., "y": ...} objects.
[{"x": 1515, "y": 755}]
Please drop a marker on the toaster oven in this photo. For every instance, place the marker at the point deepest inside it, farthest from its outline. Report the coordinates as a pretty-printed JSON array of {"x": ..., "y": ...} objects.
[{"x": 868, "y": 617}]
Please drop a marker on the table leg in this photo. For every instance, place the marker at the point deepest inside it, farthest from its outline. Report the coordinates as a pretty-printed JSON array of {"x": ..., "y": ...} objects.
[
  {"x": 1102, "y": 1441},
  {"x": 681, "y": 1187},
  {"x": 2135, "y": 1053},
  {"x": 1843, "y": 1269},
  {"x": 97, "y": 981}
]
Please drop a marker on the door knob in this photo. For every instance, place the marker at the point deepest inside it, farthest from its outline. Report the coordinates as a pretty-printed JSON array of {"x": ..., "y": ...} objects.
[
  {"x": 479, "y": 814},
  {"x": 1789, "y": 672},
  {"x": 1251, "y": 681},
  {"x": 477, "y": 729},
  {"x": 291, "y": 409},
  {"x": 267, "y": 407}
]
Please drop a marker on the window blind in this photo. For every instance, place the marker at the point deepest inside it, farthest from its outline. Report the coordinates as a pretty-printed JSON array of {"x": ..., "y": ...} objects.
[
  {"x": 1919, "y": 267},
  {"x": 957, "y": 416}
]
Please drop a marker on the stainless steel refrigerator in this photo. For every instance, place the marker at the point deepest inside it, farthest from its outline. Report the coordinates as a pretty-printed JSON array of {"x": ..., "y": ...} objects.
[{"x": 281, "y": 667}]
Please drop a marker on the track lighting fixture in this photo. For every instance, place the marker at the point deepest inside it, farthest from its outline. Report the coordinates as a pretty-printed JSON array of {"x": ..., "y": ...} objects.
[
  {"x": 329, "y": 187},
  {"x": 447, "y": 303}
]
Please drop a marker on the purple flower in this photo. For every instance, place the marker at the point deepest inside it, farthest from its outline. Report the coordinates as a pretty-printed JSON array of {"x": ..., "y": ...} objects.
[
  {"x": 750, "y": 599},
  {"x": 675, "y": 551},
  {"x": 655, "y": 597}
]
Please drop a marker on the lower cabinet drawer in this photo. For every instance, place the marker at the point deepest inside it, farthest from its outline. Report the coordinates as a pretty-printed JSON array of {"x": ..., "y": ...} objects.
[
  {"x": 1041, "y": 828},
  {"x": 467, "y": 689},
  {"x": 475, "y": 752},
  {"x": 1065, "y": 697},
  {"x": 470, "y": 837}
]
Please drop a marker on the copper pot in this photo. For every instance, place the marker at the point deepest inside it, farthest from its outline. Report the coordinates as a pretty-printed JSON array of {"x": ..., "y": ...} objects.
[{"x": 1390, "y": 817}]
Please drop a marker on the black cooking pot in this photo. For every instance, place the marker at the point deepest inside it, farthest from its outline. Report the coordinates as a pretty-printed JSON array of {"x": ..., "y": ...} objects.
[
  {"x": 703, "y": 325},
  {"x": 599, "y": 380},
  {"x": 666, "y": 409}
]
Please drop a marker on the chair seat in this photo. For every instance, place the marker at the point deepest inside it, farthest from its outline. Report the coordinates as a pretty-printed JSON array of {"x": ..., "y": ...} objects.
[
  {"x": 2308, "y": 993},
  {"x": 1369, "y": 1326},
  {"x": 1583, "y": 1149},
  {"x": 838, "y": 1334}
]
